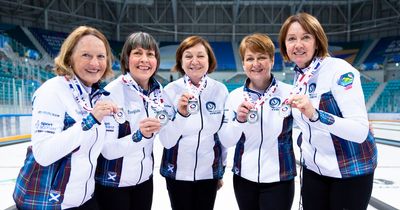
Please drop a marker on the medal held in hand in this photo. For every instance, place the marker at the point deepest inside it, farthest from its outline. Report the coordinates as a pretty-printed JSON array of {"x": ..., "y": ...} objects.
[
  {"x": 119, "y": 116},
  {"x": 300, "y": 85},
  {"x": 285, "y": 110},
  {"x": 258, "y": 101},
  {"x": 252, "y": 116},
  {"x": 156, "y": 101},
  {"x": 162, "y": 116},
  {"x": 193, "y": 106}
]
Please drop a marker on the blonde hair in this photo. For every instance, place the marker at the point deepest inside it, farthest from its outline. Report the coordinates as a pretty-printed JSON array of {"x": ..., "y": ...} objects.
[
  {"x": 63, "y": 60},
  {"x": 257, "y": 42}
]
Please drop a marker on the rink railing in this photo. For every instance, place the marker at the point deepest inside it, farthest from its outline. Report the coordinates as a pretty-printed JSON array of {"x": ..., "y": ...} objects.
[{"x": 14, "y": 128}]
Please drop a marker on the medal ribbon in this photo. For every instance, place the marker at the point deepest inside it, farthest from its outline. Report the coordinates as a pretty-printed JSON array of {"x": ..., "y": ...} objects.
[
  {"x": 195, "y": 91},
  {"x": 264, "y": 97},
  {"x": 77, "y": 92},
  {"x": 303, "y": 79},
  {"x": 158, "y": 104}
]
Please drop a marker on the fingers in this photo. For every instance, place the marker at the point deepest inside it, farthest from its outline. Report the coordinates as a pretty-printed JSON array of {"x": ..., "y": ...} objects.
[
  {"x": 243, "y": 110},
  {"x": 184, "y": 100},
  {"x": 298, "y": 101},
  {"x": 183, "y": 103},
  {"x": 104, "y": 108},
  {"x": 148, "y": 126},
  {"x": 302, "y": 103}
]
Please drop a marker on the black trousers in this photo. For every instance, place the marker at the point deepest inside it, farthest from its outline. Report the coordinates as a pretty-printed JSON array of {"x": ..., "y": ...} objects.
[
  {"x": 138, "y": 197},
  {"x": 192, "y": 195},
  {"x": 263, "y": 196},
  {"x": 321, "y": 192}
]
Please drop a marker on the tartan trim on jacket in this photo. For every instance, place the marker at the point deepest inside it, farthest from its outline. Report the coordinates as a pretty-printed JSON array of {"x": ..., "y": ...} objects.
[{"x": 354, "y": 159}]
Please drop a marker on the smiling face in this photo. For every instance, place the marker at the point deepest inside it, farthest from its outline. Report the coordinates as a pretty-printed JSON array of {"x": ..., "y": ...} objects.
[
  {"x": 89, "y": 59},
  {"x": 257, "y": 67},
  {"x": 195, "y": 62},
  {"x": 142, "y": 65},
  {"x": 300, "y": 45}
]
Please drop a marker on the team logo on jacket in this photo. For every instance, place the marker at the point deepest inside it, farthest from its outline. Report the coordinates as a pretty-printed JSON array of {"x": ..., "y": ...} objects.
[
  {"x": 111, "y": 176},
  {"x": 54, "y": 196},
  {"x": 274, "y": 103},
  {"x": 346, "y": 80},
  {"x": 236, "y": 170},
  {"x": 210, "y": 106},
  {"x": 311, "y": 90}
]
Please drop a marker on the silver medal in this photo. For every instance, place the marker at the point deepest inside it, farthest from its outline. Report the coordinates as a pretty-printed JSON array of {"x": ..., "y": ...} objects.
[
  {"x": 162, "y": 116},
  {"x": 252, "y": 116},
  {"x": 119, "y": 116},
  {"x": 193, "y": 106},
  {"x": 285, "y": 110}
]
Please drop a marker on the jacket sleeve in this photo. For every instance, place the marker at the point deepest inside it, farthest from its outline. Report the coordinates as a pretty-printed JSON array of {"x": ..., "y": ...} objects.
[
  {"x": 231, "y": 129},
  {"x": 115, "y": 147},
  {"x": 171, "y": 132},
  {"x": 119, "y": 137},
  {"x": 348, "y": 94},
  {"x": 50, "y": 140}
]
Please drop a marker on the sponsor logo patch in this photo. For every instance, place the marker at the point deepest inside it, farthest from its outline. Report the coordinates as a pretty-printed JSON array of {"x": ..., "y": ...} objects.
[{"x": 346, "y": 80}]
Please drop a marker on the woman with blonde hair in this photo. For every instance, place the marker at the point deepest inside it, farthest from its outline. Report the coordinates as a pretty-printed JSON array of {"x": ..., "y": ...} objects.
[
  {"x": 264, "y": 165},
  {"x": 67, "y": 129}
]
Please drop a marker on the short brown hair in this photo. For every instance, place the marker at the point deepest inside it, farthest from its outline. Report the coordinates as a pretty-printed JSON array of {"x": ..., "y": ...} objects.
[
  {"x": 135, "y": 40},
  {"x": 257, "y": 42},
  {"x": 63, "y": 60},
  {"x": 191, "y": 42},
  {"x": 311, "y": 25}
]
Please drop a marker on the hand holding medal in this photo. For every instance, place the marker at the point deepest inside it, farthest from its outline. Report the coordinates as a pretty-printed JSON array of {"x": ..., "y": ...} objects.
[
  {"x": 107, "y": 108},
  {"x": 300, "y": 86},
  {"x": 303, "y": 104},
  {"x": 149, "y": 126},
  {"x": 246, "y": 113},
  {"x": 156, "y": 104},
  {"x": 252, "y": 114},
  {"x": 119, "y": 116},
  {"x": 193, "y": 105},
  {"x": 100, "y": 109}
]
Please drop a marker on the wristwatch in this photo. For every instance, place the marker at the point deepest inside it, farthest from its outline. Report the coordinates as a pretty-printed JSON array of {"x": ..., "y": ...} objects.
[{"x": 315, "y": 116}]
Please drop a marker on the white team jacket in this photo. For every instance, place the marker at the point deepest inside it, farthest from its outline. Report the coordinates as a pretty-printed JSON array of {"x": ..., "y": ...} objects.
[
  {"x": 264, "y": 150},
  {"x": 193, "y": 151},
  {"x": 136, "y": 165},
  {"x": 52, "y": 101},
  {"x": 340, "y": 143}
]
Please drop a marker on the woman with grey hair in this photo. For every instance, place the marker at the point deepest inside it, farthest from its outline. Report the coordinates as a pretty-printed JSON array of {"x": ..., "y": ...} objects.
[{"x": 126, "y": 182}]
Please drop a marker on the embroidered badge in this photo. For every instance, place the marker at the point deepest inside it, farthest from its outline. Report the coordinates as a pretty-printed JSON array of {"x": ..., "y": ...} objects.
[
  {"x": 311, "y": 90},
  {"x": 54, "y": 196},
  {"x": 346, "y": 80},
  {"x": 275, "y": 103},
  {"x": 210, "y": 106},
  {"x": 111, "y": 176},
  {"x": 326, "y": 118}
]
